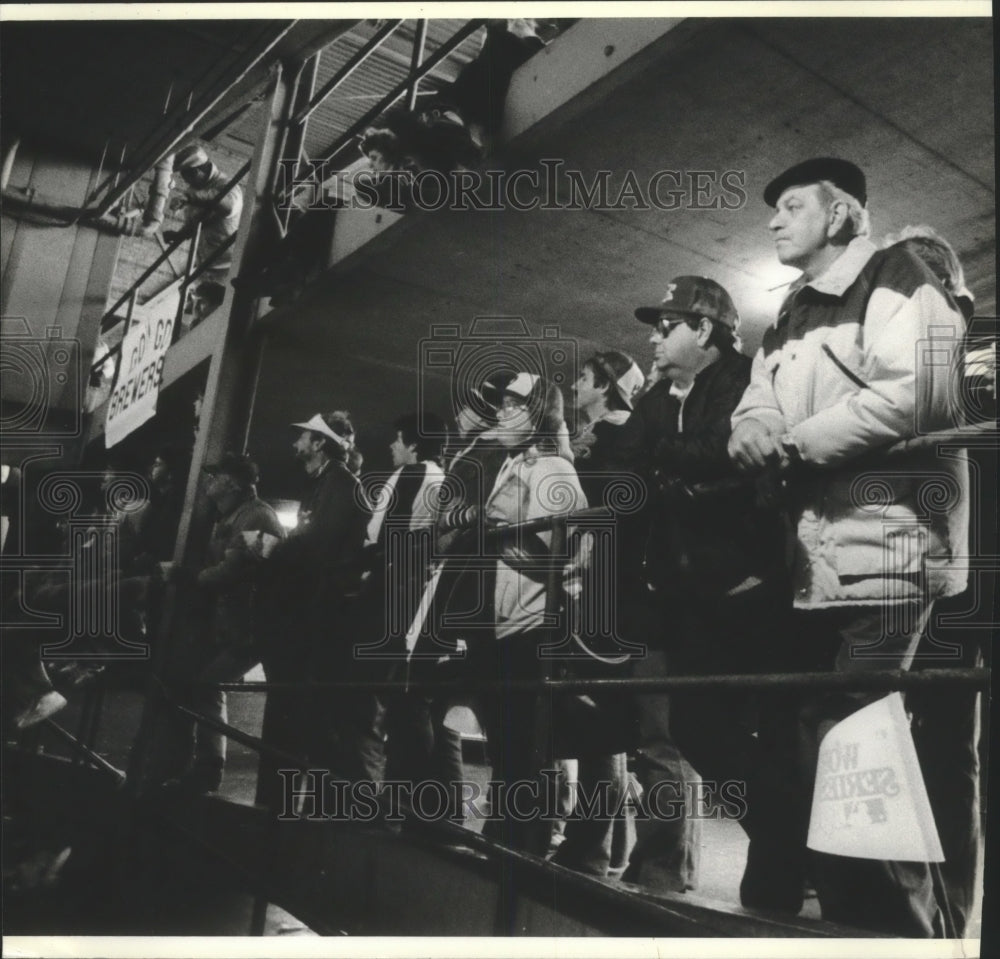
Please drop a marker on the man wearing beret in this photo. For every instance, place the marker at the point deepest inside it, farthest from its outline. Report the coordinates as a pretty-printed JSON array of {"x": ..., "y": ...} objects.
[{"x": 859, "y": 359}]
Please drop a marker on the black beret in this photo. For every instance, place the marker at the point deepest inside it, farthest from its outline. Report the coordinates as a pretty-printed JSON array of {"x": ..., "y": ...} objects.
[{"x": 841, "y": 173}]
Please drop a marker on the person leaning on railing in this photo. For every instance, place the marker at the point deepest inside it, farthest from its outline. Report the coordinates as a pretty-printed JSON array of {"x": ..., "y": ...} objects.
[
  {"x": 304, "y": 618},
  {"x": 701, "y": 589},
  {"x": 534, "y": 481},
  {"x": 946, "y": 721},
  {"x": 244, "y": 534},
  {"x": 203, "y": 181},
  {"x": 842, "y": 373}
]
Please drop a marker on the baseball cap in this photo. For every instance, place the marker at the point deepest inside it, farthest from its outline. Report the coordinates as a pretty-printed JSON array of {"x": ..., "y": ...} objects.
[
  {"x": 522, "y": 385},
  {"x": 696, "y": 296},
  {"x": 841, "y": 173},
  {"x": 239, "y": 466}
]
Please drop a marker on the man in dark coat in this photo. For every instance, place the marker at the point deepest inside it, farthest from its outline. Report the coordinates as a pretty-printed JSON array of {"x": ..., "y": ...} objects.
[
  {"x": 306, "y": 632},
  {"x": 707, "y": 576}
]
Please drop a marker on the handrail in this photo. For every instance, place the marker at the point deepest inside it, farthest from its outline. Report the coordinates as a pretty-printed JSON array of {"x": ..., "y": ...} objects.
[
  {"x": 347, "y": 69},
  {"x": 148, "y": 156},
  {"x": 182, "y": 237},
  {"x": 882, "y": 679},
  {"x": 976, "y": 432},
  {"x": 397, "y": 91},
  {"x": 96, "y": 760}
]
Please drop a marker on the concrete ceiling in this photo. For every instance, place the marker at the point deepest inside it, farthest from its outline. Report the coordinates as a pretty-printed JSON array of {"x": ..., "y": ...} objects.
[{"x": 911, "y": 101}]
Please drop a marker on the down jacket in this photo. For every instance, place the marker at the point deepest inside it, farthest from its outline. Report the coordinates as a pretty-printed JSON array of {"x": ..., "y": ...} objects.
[{"x": 860, "y": 358}]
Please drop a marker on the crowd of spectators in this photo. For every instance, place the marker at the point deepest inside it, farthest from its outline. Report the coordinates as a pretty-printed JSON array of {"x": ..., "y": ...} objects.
[{"x": 430, "y": 573}]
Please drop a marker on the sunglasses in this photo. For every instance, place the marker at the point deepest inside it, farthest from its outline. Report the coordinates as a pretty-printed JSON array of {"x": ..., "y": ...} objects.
[{"x": 664, "y": 327}]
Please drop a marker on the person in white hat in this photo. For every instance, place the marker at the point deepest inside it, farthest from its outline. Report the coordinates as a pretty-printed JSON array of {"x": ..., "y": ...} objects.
[
  {"x": 306, "y": 613},
  {"x": 534, "y": 481}
]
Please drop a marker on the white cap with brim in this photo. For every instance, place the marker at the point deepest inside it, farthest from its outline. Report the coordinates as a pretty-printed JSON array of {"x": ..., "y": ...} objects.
[
  {"x": 318, "y": 425},
  {"x": 522, "y": 385},
  {"x": 629, "y": 384}
]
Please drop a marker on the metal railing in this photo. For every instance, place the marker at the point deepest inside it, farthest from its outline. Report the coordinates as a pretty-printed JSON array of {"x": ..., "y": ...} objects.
[
  {"x": 191, "y": 232},
  {"x": 545, "y": 684}
]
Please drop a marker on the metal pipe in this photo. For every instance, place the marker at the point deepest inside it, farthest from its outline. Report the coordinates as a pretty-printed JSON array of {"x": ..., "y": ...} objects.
[
  {"x": 882, "y": 679},
  {"x": 8, "y": 162},
  {"x": 118, "y": 170},
  {"x": 152, "y": 268},
  {"x": 245, "y": 739},
  {"x": 295, "y": 130},
  {"x": 928, "y": 442},
  {"x": 347, "y": 69},
  {"x": 159, "y": 193},
  {"x": 131, "y": 309},
  {"x": 100, "y": 168},
  {"x": 390, "y": 98},
  {"x": 99, "y": 761},
  {"x": 186, "y": 282},
  {"x": 169, "y": 142},
  {"x": 419, "y": 42}
]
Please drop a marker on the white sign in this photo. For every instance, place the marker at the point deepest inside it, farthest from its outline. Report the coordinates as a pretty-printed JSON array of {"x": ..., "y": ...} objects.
[
  {"x": 870, "y": 801},
  {"x": 140, "y": 372}
]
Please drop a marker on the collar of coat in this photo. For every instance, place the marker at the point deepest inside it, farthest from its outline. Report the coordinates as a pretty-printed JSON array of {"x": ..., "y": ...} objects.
[{"x": 839, "y": 275}]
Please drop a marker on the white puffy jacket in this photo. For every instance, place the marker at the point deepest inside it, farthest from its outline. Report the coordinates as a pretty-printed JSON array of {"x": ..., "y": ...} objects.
[{"x": 860, "y": 358}]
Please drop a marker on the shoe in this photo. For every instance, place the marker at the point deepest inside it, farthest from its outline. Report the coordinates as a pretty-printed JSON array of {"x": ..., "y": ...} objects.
[
  {"x": 46, "y": 705},
  {"x": 201, "y": 779}
]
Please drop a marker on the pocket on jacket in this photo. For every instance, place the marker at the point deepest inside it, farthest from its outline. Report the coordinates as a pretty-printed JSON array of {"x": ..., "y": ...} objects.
[{"x": 844, "y": 368}]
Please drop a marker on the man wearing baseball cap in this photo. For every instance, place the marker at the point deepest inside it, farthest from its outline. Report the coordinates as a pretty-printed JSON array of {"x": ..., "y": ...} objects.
[
  {"x": 703, "y": 569},
  {"x": 858, "y": 359},
  {"x": 225, "y": 651}
]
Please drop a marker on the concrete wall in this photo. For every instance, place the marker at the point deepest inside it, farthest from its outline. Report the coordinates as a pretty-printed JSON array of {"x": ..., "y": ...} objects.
[{"x": 54, "y": 287}]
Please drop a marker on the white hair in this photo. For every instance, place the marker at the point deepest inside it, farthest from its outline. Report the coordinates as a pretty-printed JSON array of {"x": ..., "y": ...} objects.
[
  {"x": 936, "y": 252},
  {"x": 858, "y": 221}
]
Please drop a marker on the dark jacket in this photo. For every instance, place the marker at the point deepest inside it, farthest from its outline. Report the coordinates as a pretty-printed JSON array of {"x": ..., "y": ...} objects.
[
  {"x": 232, "y": 569},
  {"x": 309, "y": 574},
  {"x": 706, "y": 545}
]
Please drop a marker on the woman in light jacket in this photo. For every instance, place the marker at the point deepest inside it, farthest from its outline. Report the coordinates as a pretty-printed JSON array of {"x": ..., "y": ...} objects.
[{"x": 534, "y": 481}]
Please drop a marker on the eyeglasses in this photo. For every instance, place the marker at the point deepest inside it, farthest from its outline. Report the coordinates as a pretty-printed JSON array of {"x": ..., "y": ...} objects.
[{"x": 665, "y": 327}]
